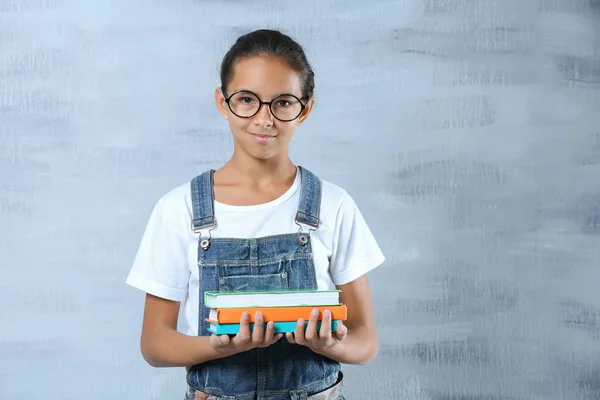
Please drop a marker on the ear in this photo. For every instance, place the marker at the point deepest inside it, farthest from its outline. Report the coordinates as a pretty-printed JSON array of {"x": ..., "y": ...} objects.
[
  {"x": 306, "y": 111},
  {"x": 221, "y": 104}
]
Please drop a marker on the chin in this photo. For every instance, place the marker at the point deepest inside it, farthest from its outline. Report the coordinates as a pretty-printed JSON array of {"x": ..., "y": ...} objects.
[
  {"x": 260, "y": 152},
  {"x": 263, "y": 156}
]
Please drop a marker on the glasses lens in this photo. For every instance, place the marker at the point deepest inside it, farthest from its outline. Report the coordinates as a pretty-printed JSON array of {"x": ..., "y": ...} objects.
[
  {"x": 244, "y": 104},
  {"x": 286, "y": 107}
]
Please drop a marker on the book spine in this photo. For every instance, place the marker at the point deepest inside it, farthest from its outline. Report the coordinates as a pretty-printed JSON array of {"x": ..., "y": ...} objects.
[
  {"x": 233, "y": 315},
  {"x": 279, "y": 327},
  {"x": 254, "y": 299}
]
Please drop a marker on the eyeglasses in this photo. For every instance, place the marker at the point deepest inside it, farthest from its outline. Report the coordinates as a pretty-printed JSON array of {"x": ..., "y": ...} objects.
[{"x": 245, "y": 104}]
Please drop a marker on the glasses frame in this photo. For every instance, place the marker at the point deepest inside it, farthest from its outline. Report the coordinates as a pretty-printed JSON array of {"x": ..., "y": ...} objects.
[{"x": 269, "y": 103}]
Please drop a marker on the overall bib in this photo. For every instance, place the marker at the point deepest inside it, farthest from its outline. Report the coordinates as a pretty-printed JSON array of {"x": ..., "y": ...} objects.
[{"x": 278, "y": 262}]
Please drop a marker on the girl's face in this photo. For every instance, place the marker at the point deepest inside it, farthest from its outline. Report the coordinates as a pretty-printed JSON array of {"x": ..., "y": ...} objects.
[{"x": 262, "y": 136}]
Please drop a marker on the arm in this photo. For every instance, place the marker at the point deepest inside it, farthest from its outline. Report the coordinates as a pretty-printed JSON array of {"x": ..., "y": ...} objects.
[
  {"x": 355, "y": 252},
  {"x": 361, "y": 344},
  {"x": 354, "y": 343},
  {"x": 163, "y": 346}
]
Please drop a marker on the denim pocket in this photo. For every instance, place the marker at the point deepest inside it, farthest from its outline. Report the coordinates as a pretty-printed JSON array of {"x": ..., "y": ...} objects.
[
  {"x": 272, "y": 282},
  {"x": 301, "y": 273}
]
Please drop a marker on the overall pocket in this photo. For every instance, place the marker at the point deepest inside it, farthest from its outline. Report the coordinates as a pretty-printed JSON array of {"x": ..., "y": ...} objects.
[
  {"x": 268, "y": 276},
  {"x": 250, "y": 283}
]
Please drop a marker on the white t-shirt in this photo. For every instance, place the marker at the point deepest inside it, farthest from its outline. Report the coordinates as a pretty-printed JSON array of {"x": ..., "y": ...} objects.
[{"x": 166, "y": 264}]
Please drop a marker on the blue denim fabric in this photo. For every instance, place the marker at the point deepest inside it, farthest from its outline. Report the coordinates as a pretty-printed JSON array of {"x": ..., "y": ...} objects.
[{"x": 279, "y": 262}]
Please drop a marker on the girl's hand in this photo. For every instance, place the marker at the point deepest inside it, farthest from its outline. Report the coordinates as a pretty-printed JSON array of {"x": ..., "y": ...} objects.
[
  {"x": 322, "y": 341},
  {"x": 244, "y": 340}
]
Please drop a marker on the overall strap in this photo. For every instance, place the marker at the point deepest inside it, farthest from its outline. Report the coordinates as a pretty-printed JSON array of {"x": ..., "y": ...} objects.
[
  {"x": 202, "y": 201},
  {"x": 310, "y": 199}
]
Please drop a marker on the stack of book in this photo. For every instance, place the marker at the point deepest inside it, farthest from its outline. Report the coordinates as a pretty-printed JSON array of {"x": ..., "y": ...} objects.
[{"x": 283, "y": 308}]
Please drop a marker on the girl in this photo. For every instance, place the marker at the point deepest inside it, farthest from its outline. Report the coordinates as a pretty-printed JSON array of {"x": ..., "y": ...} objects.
[{"x": 258, "y": 223}]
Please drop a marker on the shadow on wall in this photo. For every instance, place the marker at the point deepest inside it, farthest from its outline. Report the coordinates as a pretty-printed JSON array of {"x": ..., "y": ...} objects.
[
  {"x": 580, "y": 316},
  {"x": 587, "y": 213},
  {"x": 579, "y": 69},
  {"x": 445, "y": 396}
]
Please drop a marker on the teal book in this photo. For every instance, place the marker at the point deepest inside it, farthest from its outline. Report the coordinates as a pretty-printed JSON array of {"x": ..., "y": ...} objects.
[{"x": 280, "y": 327}]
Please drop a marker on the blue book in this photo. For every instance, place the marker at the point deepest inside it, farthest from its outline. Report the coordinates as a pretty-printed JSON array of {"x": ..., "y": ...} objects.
[{"x": 280, "y": 327}]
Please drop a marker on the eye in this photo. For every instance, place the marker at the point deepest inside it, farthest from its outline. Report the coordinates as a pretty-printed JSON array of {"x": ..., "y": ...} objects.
[
  {"x": 247, "y": 100},
  {"x": 283, "y": 103}
]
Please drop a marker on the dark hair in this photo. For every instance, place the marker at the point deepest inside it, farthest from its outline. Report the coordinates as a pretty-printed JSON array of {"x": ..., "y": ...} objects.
[{"x": 273, "y": 44}]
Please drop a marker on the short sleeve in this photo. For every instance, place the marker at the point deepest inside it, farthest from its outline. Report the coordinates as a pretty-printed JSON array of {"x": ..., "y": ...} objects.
[
  {"x": 160, "y": 267},
  {"x": 355, "y": 251}
]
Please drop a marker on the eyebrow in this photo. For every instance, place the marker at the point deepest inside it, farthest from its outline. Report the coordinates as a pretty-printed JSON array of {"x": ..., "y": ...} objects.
[{"x": 248, "y": 90}]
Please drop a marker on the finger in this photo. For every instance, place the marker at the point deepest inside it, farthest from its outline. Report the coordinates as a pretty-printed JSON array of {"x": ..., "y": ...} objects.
[
  {"x": 243, "y": 335},
  {"x": 258, "y": 333},
  {"x": 341, "y": 332},
  {"x": 299, "y": 332},
  {"x": 325, "y": 331},
  {"x": 311, "y": 329},
  {"x": 274, "y": 339},
  {"x": 290, "y": 337},
  {"x": 216, "y": 341},
  {"x": 225, "y": 339},
  {"x": 270, "y": 333},
  {"x": 277, "y": 337}
]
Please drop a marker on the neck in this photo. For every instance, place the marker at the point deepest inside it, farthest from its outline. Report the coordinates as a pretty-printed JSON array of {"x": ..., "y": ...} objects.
[{"x": 251, "y": 169}]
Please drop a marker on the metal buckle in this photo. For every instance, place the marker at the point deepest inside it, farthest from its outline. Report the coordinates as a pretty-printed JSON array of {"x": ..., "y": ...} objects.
[
  {"x": 204, "y": 243},
  {"x": 197, "y": 229},
  {"x": 303, "y": 238},
  {"x": 307, "y": 223}
]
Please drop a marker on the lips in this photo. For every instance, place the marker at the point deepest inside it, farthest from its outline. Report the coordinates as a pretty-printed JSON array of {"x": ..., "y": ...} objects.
[
  {"x": 261, "y": 134},
  {"x": 262, "y": 138}
]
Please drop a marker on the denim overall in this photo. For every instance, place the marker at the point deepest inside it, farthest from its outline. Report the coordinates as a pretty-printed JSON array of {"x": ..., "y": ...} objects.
[{"x": 278, "y": 262}]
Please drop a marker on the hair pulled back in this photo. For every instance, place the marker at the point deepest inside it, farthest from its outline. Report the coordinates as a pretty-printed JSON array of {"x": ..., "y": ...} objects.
[{"x": 271, "y": 43}]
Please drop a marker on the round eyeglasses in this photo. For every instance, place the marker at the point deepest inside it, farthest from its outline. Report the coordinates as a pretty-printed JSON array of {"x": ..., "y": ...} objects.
[{"x": 245, "y": 104}]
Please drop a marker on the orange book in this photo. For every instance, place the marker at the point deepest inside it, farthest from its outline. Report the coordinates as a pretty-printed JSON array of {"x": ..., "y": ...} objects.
[{"x": 277, "y": 314}]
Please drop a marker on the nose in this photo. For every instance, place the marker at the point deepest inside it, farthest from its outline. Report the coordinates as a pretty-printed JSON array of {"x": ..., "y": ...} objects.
[{"x": 263, "y": 117}]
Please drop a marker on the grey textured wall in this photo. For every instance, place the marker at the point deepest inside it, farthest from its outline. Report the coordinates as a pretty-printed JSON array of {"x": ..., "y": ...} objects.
[{"x": 467, "y": 131}]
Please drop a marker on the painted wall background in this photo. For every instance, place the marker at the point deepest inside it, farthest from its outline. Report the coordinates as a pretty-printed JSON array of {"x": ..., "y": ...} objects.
[{"x": 467, "y": 131}]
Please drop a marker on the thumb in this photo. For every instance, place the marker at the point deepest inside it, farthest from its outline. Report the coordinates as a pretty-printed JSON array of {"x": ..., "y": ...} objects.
[
  {"x": 341, "y": 332},
  {"x": 219, "y": 341},
  {"x": 290, "y": 337}
]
